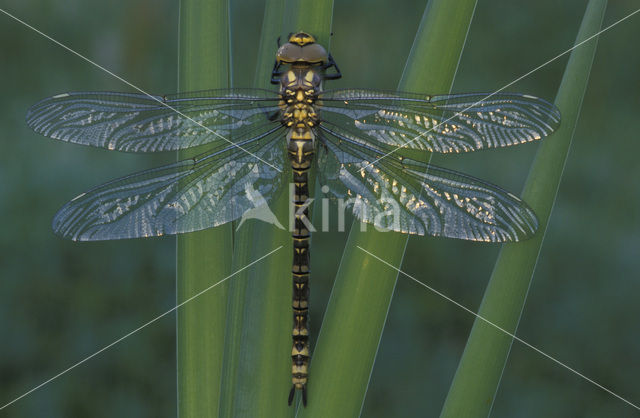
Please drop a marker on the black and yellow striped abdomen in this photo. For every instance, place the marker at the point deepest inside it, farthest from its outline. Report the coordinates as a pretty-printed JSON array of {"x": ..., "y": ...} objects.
[{"x": 299, "y": 90}]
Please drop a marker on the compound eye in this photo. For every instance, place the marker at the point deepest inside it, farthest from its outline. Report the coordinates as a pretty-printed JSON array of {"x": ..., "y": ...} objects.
[
  {"x": 314, "y": 53},
  {"x": 289, "y": 53}
]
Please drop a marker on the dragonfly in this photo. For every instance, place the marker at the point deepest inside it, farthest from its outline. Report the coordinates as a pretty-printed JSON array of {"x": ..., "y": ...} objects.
[{"x": 258, "y": 140}]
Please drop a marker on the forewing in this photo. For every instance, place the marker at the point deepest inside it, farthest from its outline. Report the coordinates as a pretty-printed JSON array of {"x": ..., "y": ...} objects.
[
  {"x": 445, "y": 124},
  {"x": 142, "y": 123},
  {"x": 416, "y": 198},
  {"x": 186, "y": 196}
]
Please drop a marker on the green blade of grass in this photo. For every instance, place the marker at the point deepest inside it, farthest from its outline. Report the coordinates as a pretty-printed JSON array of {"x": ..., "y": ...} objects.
[
  {"x": 343, "y": 359},
  {"x": 204, "y": 257},
  {"x": 310, "y": 16},
  {"x": 476, "y": 381},
  {"x": 257, "y": 376},
  {"x": 255, "y": 368}
]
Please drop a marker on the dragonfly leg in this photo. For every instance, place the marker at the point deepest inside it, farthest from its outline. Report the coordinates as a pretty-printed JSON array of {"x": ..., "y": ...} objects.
[
  {"x": 336, "y": 74},
  {"x": 276, "y": 73}
]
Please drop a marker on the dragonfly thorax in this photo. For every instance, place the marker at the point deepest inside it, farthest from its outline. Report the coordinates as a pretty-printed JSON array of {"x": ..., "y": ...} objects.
[
  {"x": 301, "y": 77},
  {"x": 299, "y": 88}
]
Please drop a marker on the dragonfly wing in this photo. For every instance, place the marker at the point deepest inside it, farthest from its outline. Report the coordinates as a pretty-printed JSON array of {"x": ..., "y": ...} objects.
[
  {"x": 416, "y": 198},
  {"x": 190, "y": 195},
  {"x": 445, "y": 123},
  {"x": 142, "y": 123}
]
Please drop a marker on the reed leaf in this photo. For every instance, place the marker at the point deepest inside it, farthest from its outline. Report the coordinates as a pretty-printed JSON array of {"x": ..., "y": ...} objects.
[
  {"x": 257, "y": 376},
  {"x": 256, "y": 339},
  {"x": 476, "y": 381},
  {"x": 204, "y": 257},
  {"x": 344, "y": 357}
]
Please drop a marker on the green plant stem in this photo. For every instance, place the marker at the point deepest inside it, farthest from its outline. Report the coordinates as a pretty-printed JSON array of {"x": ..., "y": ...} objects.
[
  {"x": 353, "y": 323},
  {"x": 255, "y": 369},
  {"x": 476, "y": 381},
  {"x": 257, "y": 376},
  {"x": 204, "y": 257}
]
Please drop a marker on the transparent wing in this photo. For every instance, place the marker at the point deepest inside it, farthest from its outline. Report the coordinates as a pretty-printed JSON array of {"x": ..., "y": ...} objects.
[
  {"x": 410, "y": 197},
  {"x": 190, "y": 195},
  {"x": 140, "y": 123},
  {"x": 446, "y": 123}
]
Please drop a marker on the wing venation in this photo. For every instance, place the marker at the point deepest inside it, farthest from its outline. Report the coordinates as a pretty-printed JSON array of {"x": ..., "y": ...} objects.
[
  {"x": 140, "y": 123},
  {"x": 186, "y": 196},
  {"x": 416, "y": 198},
  {"x": 445, "y": 123}
]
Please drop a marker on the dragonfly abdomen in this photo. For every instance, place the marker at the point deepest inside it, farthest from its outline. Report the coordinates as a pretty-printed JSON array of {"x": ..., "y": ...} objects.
[
  {"x": 299, "y": 89},
  {"x": 301, "y": 155}
]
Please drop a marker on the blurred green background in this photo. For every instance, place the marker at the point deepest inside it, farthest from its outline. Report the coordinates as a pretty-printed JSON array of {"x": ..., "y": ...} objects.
[{"x": 61, "y": 301}]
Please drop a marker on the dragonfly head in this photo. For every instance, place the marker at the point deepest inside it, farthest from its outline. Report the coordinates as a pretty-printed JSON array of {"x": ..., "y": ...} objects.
[
  {"x": 302, "y": 49},
  {"x": 301, "y": 38}
]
